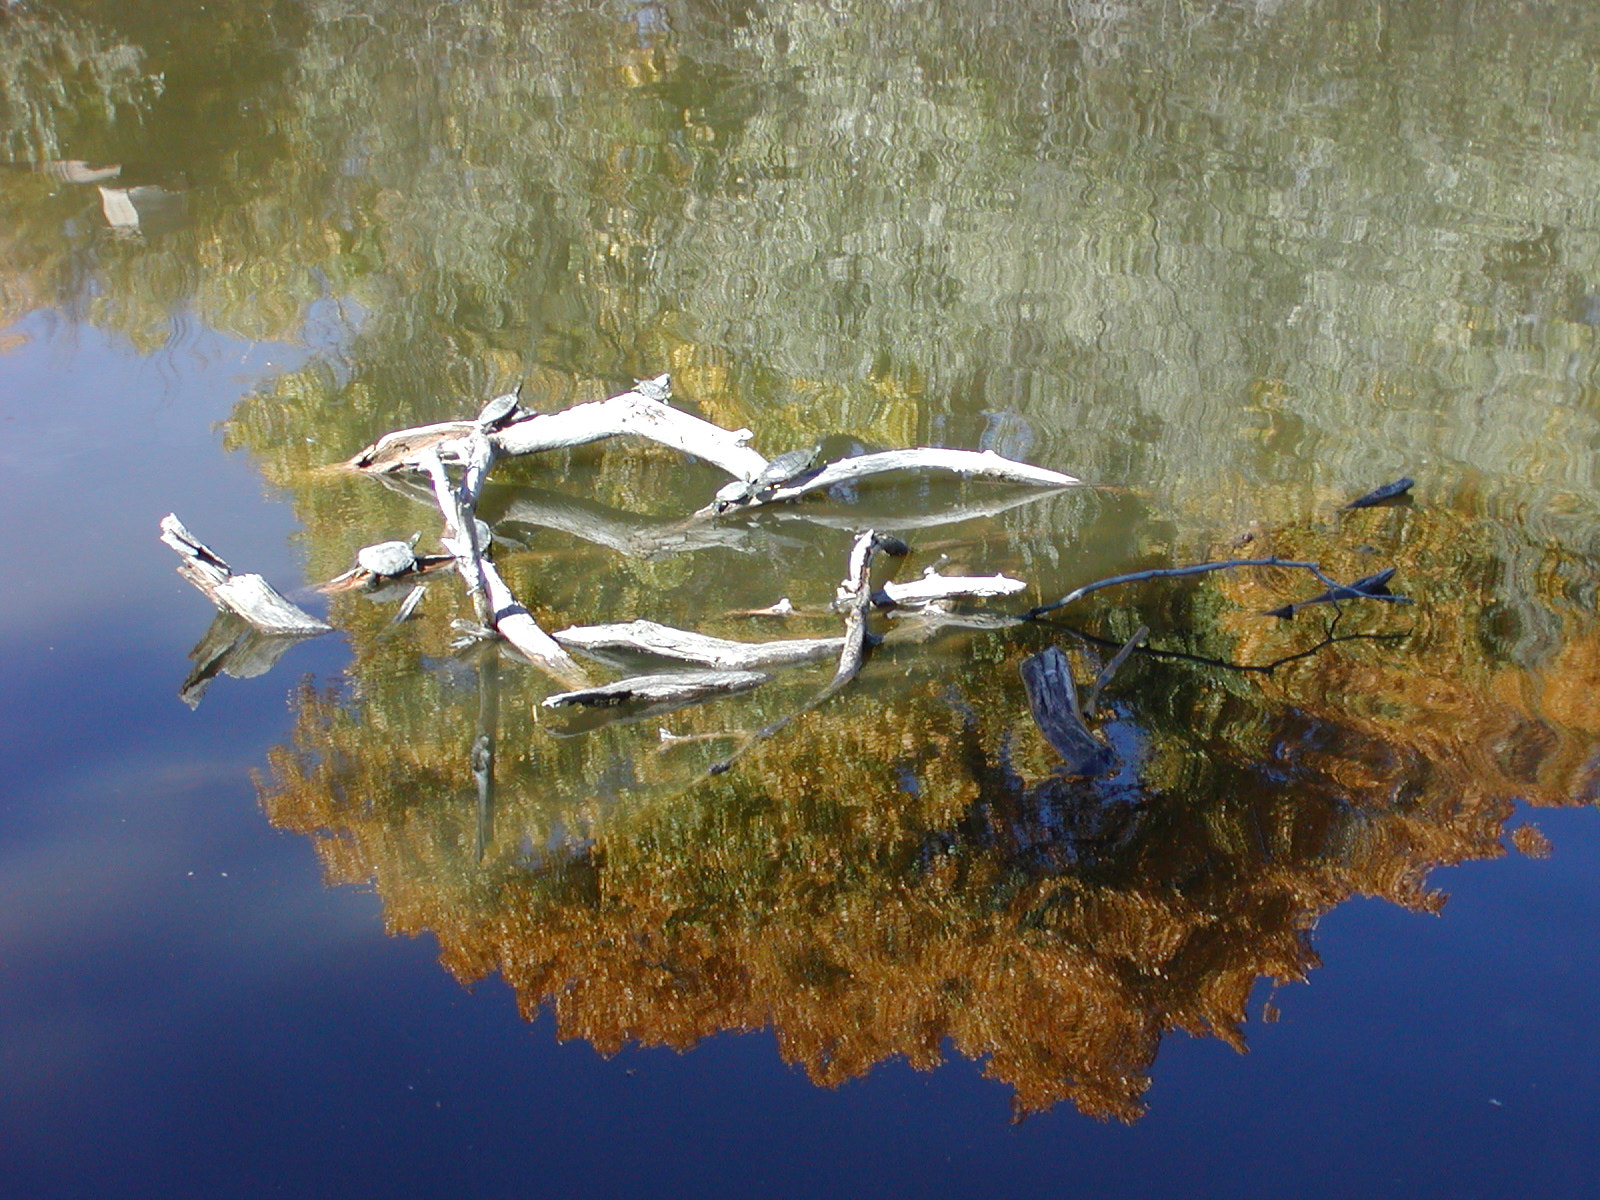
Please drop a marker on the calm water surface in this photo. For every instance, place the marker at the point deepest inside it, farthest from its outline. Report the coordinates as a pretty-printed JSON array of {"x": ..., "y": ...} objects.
[{"x": 1233, "y": 265}]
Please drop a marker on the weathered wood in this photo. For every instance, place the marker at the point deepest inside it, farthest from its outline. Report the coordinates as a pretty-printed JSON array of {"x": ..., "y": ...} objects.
[
  {"x": 677, "y": 687},
  {"x": 497, "y": 607},
  {"x": 382, "y": 587},
  {"x": 684, "y": 645},
  {"x": 982, "y": 463},
  {"x": 636, "y": 411},
  {"x": 459, "y": 535},
  {"x": 248, "y": 596},
  {"x": 933, "y": 586},
  {"x": 1382, "y": 495},
  {"x": 1369, "y": 587},
  {"x": 1053, "y": 700},
  {"x": 854, "y": 597}
]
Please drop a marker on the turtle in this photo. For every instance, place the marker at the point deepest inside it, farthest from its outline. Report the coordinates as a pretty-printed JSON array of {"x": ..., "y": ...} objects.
[
  {"x": 499, "y": 411},
  {"x": 388, "y": 558},
  {"x": 658, "y": 389},
  {"x": 781, "y": 470}
]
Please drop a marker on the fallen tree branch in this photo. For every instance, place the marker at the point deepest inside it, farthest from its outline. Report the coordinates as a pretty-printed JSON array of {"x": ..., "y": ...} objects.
[
  {"x": 984, "y": 463},
  {"x": 640, "y": 411},
  {"x": 1053, "y": 700},
  {"x": 855, "y": 597},
  {"x": 247, "y": 596},
  {"x": 1111, "y": 668},
  {"x": 655, "y": 689},
  {"x": 497, "y": 608},
  {"x": 933, "y": 586},
  {"x": 681, "y": 644}
]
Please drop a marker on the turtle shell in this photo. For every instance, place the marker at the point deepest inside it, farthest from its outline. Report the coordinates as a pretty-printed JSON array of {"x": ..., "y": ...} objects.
[
  {"x": 498, "y": 410},
  {"x": 785, "y": 467},
  {"x": 387, "y": 558}
]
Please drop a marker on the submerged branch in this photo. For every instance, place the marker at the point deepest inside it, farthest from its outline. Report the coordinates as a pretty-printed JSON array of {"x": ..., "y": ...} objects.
[
  {"x": 1175, "y": 573},
  {"x": 722, "y": 653}
]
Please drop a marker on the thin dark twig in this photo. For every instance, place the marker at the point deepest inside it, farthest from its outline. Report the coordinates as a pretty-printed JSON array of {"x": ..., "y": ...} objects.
[
  {"x": 1208, "y": 661},
  {"x": 1173, "y": 573}
]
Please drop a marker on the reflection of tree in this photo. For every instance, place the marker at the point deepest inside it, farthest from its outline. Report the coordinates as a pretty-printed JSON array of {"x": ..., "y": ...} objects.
[
  {"x": 1158, "y": 246},
  {"x": 902, "y": 870}
]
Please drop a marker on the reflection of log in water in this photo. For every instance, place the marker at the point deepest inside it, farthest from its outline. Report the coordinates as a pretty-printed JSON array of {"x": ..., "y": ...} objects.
[
  {"x": 483, "y": 749},
  {"x": 232, "y": 646}
]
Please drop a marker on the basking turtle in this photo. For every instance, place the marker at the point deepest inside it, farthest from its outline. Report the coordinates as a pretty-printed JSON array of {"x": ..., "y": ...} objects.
[
  {"x": 499, "y": 411},
  {"x": 388, "y": 558},
  {"x": 783, "y": 469}
]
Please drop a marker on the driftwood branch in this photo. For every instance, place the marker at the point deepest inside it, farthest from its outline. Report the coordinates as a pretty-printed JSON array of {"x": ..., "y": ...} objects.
[
  {"x": 721, "y": 653},
  {"x": 638, "y": 411},
  {"x": 982, "y": 463},
  {"x": 247, "y": 596},
  {"x": 498, "y": 608},
  {"x": 1112, "y": 667},
  {"x": 657, "y": 689},
  {"x": 855, "y": 598},
  {"x": 933, "y": 586},
  {"x": 1053, "y": 700}
]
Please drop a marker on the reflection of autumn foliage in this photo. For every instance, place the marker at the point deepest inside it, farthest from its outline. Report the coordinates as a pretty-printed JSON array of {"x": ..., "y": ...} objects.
[{"x": 899, "y": 874}]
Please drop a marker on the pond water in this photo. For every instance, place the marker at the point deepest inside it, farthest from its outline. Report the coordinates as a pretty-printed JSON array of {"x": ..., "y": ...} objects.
[{"x": 262, "y": 932}]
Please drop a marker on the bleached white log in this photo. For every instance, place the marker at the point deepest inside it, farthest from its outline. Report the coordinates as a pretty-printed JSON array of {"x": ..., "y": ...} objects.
[
  {"x": 459, "y": 533},
  {"x": 676, "y": 688},
  {"x": 933, "y": 586},
  {"x": 248, "y": 596},
  {"x": 855, "y": 598},
  {"x": 984, "y": 463},
  {"x": 686, "y": 646},
  {"x": 636, "y": 411},
  {"x": 498, "y": 607}
]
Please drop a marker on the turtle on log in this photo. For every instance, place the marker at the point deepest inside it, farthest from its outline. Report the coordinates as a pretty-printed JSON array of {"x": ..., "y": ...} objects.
[
  {"x": 781, "y": 470},
  {"x": 499, "y": 411},
  {"x": 387, "y": 559}
]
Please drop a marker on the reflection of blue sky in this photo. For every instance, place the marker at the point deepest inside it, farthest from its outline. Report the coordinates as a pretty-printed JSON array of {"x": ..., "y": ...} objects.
[{"x": 98, "y": 442}]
